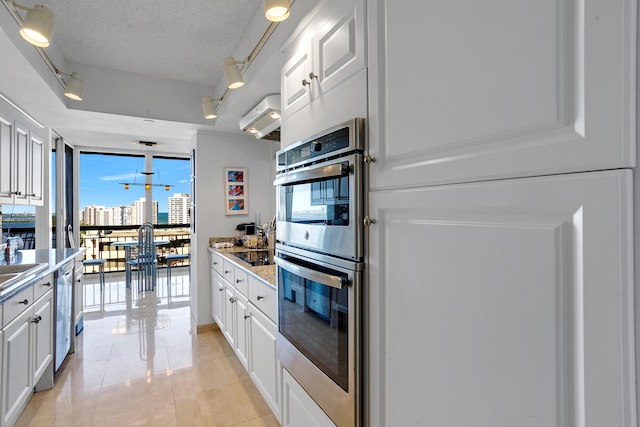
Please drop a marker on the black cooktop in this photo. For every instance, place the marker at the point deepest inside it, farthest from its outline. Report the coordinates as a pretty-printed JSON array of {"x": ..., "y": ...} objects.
[{"x": 255, "y": 258}]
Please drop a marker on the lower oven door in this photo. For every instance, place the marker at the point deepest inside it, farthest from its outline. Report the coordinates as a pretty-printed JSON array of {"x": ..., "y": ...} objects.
[{"x": 319, "y": 328}]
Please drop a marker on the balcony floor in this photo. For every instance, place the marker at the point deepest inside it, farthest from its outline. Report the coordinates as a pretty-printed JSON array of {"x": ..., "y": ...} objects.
[{"x": 139, "y": 362}]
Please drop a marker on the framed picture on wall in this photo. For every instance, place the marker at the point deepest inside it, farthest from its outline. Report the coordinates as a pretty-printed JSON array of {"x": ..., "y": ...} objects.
[{"x": 236, "y": 191}]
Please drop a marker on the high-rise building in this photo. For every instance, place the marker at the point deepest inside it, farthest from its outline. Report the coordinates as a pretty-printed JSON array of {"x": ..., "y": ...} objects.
[
  {"x": 179, "y": 209},
  {"x": 94, "y": 215},
  {"x": 121, "y": 215},
  {"x": 137, "y": 212}
]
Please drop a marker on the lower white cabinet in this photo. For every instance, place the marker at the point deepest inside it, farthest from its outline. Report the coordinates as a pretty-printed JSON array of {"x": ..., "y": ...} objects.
[
  {"x": 217, "y": 298},
  {"x": 229, "y": 295},
  {"x": 264, "y": 367},
  {"x": 241, "y": 324},
  {"x": 27, "y": 354},
  {"x": 298, "y": 408}
]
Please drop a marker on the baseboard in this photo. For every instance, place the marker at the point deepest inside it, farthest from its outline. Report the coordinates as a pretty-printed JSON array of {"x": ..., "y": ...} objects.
[{"x": 207, "y": 328}]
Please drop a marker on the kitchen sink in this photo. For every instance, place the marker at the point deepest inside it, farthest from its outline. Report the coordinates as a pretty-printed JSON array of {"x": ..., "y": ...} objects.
[{"x": 10, "y": 274}]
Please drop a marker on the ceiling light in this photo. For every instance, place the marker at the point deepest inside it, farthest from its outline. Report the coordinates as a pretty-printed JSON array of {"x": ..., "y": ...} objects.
[
  {"x": 37, "y": 26},
  {"x": 75, "y": 86},
  {"x": 276, "y": 10},
  {"x": 209, "y": 107},
  {"x": 253, "y": 130},
  {"x": 274, "y": 114},
  {"x": 232, "y": 72}
]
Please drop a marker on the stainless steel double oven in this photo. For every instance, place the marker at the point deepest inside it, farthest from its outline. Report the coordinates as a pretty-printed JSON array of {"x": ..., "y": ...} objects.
[{"x": 320, "y": 263}]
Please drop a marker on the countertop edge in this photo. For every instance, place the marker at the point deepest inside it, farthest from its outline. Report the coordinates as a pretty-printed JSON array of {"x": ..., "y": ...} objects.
[{"x": 264, "y": 273}]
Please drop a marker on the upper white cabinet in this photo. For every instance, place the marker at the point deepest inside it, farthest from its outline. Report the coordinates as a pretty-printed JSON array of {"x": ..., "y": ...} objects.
[
  {"x": 328, "y": 53},
  {"x": 466, "y": 90},
  {"x": 21, "y": 160},
  {"x": 491, "y": 303}
]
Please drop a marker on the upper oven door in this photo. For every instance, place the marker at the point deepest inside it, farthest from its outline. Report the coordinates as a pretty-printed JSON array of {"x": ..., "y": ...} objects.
[{"x": 320, "y": 207}]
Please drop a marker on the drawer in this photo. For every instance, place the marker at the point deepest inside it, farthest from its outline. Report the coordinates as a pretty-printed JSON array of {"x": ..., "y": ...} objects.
[
  {"x": 216, "y": 263},
  {"x": 14, "y": 306},
  {"x": 228, "y": 271},
  {"x": 241, "y": 284},
  {"x": 42, "y": 286},
  {"x": 263, "y": 296}
]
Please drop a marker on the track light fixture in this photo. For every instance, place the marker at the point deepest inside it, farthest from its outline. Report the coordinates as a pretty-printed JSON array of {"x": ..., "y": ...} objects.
[
  {"x": 37, "y": 26},
  {"x": 232, "y": 72},
  {"x": 74, "y": 87},
  {"x": 276, "y": 10},
  {"x": 210, "y": 107}
]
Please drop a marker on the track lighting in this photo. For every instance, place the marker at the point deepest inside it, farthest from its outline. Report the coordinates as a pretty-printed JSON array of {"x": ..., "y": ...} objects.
[
  {"x": 37, "y": 26},
  {"x": 210, "y": 107},
  {"x": 276, "y": 10},
  {"x": 74, "y": 87},
  {"x": 232, "y": 72}
]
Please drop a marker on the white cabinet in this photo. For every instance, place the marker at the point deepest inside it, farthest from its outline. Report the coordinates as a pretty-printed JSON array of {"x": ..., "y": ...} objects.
[
  {"x": 264, "y": 367},
  {"x": 466, "y": 91},
  {"x": 27, "y": 354},
  {"x": 21, "y": 160},
  {"x": 217, "y": 298},
  {"x": 229, "y": 295},
  {"x": 299, "y": 409},
  {"x": 329, "y": 54},
  {"x": 78, "y": 296},
  {"x": 241, "y": 325},
  {"x": 484, "y": 293}
]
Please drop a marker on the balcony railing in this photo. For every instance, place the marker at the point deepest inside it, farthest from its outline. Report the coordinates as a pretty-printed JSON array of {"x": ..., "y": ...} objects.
[{"x": 98, "y": 239}]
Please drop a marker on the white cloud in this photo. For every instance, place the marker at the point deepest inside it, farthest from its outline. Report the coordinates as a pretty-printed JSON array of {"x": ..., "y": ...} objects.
[
  {"x": 182, "y": 181},
  {"x": 121, "y": 177}
]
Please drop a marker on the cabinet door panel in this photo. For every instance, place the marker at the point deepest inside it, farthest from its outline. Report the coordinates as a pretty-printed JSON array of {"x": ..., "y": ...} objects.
[
  {"x": 295, "y": 95},
  {"x": 6, "y": 163},
  {"x": 264, "y": 367},
  {"x": 500, "y": 90},
  {"x": 505, "y": 299},
  {"x": 22, "y": 165},
  {"x": 17, "y": 368},
  {"x": 36, "y": 177},
  {"x": 43, "y": 335},
  {"x": 217, "y": 297},
  {"x": 229, "y": 312},
  {"x": 242, "y": 328}
]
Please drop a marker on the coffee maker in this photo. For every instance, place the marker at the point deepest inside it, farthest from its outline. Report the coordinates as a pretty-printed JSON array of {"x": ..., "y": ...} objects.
[{"x": 244, "y": 229}]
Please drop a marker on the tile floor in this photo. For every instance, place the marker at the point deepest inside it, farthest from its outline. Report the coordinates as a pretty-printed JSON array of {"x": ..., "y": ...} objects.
[{"x": 139, "y": 363}]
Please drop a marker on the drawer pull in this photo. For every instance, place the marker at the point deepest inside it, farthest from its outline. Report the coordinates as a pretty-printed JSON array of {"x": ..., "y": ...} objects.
[
  {"x": 47, "y": 284},
  {"x": 238, "y": 280},
  {"x": 37, "y": 320},
  {"x": 25, "y": 302},
  {"x": 259, "y": 297},
  {"x": 221, "y": 289},
  {"x": 215, "y": 263},
  {"x": 246, "y": 316},
  {"x": 227, "y": 272},
  {"x": 232, "y": 300}
]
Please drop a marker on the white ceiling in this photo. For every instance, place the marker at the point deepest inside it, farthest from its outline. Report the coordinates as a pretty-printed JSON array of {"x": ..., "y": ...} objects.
[{"x": 177, "y": 46}]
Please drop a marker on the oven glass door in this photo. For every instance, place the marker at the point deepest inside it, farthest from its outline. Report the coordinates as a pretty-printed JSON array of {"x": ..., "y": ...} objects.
[
  {"x": 313, "y": 314},
  {"x": 322, "y": 201}
]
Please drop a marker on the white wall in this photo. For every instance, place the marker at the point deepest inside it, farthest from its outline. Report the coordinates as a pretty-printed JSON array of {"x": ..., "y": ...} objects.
[{"x": 213, "y": 154}]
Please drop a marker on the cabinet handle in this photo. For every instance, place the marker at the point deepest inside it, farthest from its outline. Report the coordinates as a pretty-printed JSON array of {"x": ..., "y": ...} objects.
[
  {"x": 32, "y": 195},
  {"x": 238, "y": 280},
  {"x": 227, "y": 271},
  {"x": 259, "y": 297},
  {"x": 47, "y": 284},
  {"x": 37, "y": 320},
  {"x": 25, "y": 302},
  {"x": 232, "y": 300},
  {"x": 221, "y": 289},
  {"x": 246, "y": 316},
  {"x": 17, "y": 193},
  {"x": 215, "y": 263}
]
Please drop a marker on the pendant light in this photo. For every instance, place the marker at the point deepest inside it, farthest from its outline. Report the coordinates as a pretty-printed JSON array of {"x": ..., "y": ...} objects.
[
  {"x": 37, "y": 26},
  {"x": 232, "y": 72},
  {"x": 276, "y": 10}
]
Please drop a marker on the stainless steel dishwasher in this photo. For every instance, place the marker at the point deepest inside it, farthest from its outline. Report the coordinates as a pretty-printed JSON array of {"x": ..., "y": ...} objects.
[{"x": 63, "y": 300}]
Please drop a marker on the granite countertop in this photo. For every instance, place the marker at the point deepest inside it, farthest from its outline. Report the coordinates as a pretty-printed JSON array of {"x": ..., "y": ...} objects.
[
  {"x": 266, "y": 273},
  {"x": 52, "y": 259}
]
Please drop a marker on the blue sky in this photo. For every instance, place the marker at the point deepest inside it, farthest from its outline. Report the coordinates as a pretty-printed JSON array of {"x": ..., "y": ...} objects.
[{"x": 101, "y": 177}]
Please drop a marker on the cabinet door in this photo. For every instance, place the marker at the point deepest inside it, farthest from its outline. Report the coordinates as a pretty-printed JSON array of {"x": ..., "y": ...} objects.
[
  {"x": 6, "y": 159},
  {"x": 509, "y": 299},
  {"x": 264, "y": 367},
  {"x": 17, "y": 366},
  {"x": 499, "y": 90},
  {"x": 242, "y": 328},
  {"x": 217, "y": 299},
  {"x": 339, "y": 45},
  {"x": 43, "y": 334},
  {"x": 295, "y": 93},
  {"x": 21, "y": 146},
  {"x": 229, "y": 314},
  {"x": 36, "y": 168},
  {"x": 299, "y": 409}
]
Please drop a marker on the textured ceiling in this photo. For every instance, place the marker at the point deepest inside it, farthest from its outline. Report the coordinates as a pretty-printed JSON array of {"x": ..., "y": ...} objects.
[{"x": 179, "y": 40}]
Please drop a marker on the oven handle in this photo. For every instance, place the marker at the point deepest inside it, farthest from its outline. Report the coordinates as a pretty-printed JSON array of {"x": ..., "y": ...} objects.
[
  {"x": 307, "y": 273},
  {"x": 311, "y": 174}
]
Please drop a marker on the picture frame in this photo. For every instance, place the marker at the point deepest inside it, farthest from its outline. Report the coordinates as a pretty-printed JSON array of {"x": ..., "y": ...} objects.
[{"x": 236, "y": 191}]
